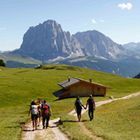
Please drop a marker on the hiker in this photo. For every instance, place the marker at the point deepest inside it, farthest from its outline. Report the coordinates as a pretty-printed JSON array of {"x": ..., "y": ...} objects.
[
  {"x": 39, "y": 103},
  {"x": 78, "y": 108},
  {"x": 91, "y": 107},
  {"x": 34, "y": 114},
  {"x": 46, "y": 113}
]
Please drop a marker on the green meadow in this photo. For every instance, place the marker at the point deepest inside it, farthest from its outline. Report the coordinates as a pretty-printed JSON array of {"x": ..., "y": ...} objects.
[
  {"x": 119, "y": 120},
  {"x": 19, "y": 86}
]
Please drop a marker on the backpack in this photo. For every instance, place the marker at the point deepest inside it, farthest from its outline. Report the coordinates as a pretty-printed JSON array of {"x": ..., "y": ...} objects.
[
  {"x": 34, "y": 109},
  {"x": 45, "y": 110}
]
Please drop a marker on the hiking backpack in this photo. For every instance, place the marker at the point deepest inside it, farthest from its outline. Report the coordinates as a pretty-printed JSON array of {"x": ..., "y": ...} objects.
[{"x": 45, "y": 109}]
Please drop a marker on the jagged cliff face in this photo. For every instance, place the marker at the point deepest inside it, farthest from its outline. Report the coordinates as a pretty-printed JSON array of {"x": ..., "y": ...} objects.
[
  {"x": 48, "y": 41},
  {"x": 95, "y": 43}
]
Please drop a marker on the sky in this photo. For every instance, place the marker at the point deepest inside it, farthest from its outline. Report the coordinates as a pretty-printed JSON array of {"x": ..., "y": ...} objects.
[{"x": 118, "y": 19}]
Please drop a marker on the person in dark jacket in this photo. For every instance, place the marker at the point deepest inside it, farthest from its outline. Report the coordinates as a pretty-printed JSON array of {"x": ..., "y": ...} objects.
[
  {"x": 46, "y": 113},
  {"x": 91, "y": 107},
  {"x": 78, "y": 108}
]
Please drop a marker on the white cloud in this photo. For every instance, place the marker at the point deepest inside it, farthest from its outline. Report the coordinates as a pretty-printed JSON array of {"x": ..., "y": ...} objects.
[
  {"x": 93, "y": 21},
  {"x": 125, "y": 6}
]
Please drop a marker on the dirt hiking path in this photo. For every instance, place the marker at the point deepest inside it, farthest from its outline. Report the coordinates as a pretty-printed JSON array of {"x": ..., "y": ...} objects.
[
  {"x": 54, "y": 133},
  {"x": 51, "y": 133},
  {"x": 106, "y": 102}
]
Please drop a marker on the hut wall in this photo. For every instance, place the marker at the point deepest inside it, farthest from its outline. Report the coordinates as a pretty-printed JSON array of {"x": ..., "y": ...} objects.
[
  {"x": 98, "y": 90},
  {"x": 85, "y": 89}
]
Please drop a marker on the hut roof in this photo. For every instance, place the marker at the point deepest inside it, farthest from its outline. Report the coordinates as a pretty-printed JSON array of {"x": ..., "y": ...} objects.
[{"x": 71, "y": 81}]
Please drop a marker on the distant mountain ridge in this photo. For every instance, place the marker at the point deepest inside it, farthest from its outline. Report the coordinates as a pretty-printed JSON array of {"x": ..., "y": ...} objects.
[
  {"x": 132, "y": 49},
  {"x": 48, "y": 41}
]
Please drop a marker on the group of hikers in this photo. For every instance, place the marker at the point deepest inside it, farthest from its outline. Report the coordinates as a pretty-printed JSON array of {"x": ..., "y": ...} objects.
[{"x": 40, "y": 110}]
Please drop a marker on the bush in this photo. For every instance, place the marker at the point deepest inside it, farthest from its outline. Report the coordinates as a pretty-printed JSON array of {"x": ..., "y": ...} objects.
[{"x": 2, "y": 63}]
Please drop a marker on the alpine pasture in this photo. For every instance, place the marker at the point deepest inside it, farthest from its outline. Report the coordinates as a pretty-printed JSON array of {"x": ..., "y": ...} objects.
[{"x": 18, "y": 86}]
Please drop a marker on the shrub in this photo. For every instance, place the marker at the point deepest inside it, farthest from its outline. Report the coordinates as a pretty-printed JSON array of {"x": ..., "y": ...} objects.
[{"x": 2, "y": 63}]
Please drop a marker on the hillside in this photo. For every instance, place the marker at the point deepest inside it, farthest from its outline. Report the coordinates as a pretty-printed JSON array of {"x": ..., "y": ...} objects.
[
  {"x": 120, "y": 67},
  {"x": 18, "y": 60},
  {"x": 19, "y": 86}
]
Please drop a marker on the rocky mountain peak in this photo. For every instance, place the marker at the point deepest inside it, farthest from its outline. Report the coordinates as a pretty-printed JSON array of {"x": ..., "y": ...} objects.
[
  {"x": 97, "y": 44},
  {"x": 48, "y": 41}
]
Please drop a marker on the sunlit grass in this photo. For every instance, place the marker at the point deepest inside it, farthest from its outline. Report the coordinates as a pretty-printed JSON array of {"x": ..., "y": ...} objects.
[
  {"x": 118, "y": 120},
  {"x": 19, "y": 86}
]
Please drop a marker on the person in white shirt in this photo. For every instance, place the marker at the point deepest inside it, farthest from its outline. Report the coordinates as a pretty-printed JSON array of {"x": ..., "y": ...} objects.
[{"x": 34, "y": 110}]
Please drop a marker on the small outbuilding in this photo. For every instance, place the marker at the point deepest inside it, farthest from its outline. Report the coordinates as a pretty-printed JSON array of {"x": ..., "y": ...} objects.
[{"x": 74, "y": 87}]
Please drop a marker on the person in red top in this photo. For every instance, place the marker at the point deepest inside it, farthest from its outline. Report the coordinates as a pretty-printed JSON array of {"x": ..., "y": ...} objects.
[{"x": 46, "y": 113}]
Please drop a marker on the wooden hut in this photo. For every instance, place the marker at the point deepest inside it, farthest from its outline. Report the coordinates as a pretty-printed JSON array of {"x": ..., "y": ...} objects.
[{"x": 74, "y": 87}]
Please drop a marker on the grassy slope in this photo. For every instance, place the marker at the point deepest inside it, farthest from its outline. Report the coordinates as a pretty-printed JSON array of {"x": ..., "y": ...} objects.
[
  {"x": 18, "y": 58},
  {"x": 118, "y": 120},
  {"x": 19, "y": 86}
]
